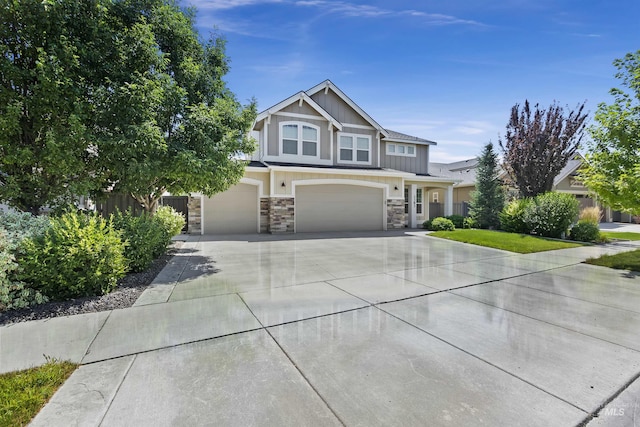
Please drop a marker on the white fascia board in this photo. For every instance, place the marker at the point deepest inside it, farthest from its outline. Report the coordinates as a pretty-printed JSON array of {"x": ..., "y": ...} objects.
[
  {"x": 296, "y": 98},
  {"x": 329, "y": 84},
  {"x": 437, "y": 179},
  {"x": 256, "y": 169},
  {"x": 330, "y": 171},
  {"x": 410, "y": 141}
]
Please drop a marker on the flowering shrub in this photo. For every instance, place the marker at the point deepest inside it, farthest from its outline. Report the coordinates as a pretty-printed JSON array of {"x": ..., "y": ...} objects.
[
  {"x": 172, "y": 222},
  {"x": 550, "y": 214}
]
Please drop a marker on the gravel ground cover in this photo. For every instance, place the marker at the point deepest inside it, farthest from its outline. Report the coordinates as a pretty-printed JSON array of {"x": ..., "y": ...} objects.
[{"x": 129, "y": 289}]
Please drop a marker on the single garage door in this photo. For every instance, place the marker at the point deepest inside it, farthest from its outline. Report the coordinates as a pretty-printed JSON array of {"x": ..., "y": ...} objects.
[
  {"x": 338, "y": 208},
  {"x": 234, "y": 211}
]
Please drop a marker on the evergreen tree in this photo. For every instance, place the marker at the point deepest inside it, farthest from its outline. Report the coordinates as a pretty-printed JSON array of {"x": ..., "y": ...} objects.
[{"x": 487, "y": 200}]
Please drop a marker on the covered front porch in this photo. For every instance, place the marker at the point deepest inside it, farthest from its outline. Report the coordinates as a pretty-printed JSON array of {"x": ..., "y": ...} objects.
[{"x": 419, "y": 194}]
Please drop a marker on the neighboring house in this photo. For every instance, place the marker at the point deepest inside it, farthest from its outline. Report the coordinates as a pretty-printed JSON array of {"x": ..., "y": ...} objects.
[
  {"x": 565, "y": 182},
  {"x": 323, "y": 164}
]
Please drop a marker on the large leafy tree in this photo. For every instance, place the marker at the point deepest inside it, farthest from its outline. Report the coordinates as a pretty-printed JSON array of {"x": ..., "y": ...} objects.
[
  {"x": 487, "y": 201},
  {"x": 49, "y": 59},
  {"x": 173, "y": 125},
  {"x": 612, "y": 168},
  {"x": 115, "y": 95},
  {"x": 539, "y": 143}
]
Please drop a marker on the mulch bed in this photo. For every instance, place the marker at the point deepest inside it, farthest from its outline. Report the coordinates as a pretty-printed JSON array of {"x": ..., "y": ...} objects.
[{"x": 126, "y": 293}]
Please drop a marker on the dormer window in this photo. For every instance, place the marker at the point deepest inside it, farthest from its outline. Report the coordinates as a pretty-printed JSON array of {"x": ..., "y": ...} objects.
[{"x": 299, "y": 139}]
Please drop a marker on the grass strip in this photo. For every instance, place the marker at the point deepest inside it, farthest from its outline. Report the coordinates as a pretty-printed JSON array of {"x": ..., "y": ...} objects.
[
  {"x": 621, "y": 235},
  {"x": 513, "y": 242},
  {"x": 621, "y": 261},
  {"x": 24, "y": 393}
]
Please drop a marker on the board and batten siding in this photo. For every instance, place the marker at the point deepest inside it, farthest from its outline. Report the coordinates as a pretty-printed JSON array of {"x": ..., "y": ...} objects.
[
  {"x": 417, "y": 164},
  {"x": 339, "y": 109},
  {"x": 273, "y": 146}
]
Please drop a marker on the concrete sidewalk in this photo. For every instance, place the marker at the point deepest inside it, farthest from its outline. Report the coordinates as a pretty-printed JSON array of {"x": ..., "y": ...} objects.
[{"x": 369, "y": 329}]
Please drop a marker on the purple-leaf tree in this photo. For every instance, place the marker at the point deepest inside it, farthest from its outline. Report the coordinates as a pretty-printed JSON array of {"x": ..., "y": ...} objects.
[{"x": 539, "y": 143}]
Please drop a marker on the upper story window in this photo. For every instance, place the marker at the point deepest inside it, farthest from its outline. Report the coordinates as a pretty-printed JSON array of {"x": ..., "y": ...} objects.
[
  {"x": 354, "y": 148},
  {"x": 401, "y": 150},
  {"x": 299, "y": 139}
]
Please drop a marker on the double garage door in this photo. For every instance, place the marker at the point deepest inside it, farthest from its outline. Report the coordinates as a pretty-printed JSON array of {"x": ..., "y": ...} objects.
[
  {"x": 332, "y": 207},
  {"x": 338, "y": 208}
]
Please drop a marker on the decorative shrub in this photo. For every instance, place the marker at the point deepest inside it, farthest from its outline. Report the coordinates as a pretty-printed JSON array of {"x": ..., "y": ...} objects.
[
  {"x": 512, "y": 217},
  {"x": 427, "y": 224},
  {"x": 78, "y": 255},
  {"x": 469, "y": 223},
  {"x": 442, "y": 224},
  {"x": 592, "y": 215},
  {"x": 145, "y": 239},
  {"x": 14, "y": 228},
  {"x": 172, "y": 222},
  {"x": 550, "y": 214},
  {"x": 585, "y": 231},
  {"x": 458, "y": 220}
]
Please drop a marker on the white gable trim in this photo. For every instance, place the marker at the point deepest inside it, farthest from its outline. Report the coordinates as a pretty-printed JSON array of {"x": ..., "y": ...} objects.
[
  {"x": 327, "y": 84},
  {"x": 299, "y": 97}
]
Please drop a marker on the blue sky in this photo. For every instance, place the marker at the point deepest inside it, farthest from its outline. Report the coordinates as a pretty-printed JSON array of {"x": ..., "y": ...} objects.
[{"x": 446, "y": 71}]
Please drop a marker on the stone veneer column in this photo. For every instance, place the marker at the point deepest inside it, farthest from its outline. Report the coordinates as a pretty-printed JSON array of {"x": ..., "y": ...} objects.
[
  {"x": 395, "y": 214},
  {"x": 194, "y": 220},
  {"x": 281, "y": 214},
  {"x": 264, "y": 215}
]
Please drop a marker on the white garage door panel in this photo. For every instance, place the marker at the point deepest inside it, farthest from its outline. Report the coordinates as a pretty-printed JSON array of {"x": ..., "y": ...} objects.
[
  {"x": 234, "y": 211},
  {"x": 338, "y": 208}
]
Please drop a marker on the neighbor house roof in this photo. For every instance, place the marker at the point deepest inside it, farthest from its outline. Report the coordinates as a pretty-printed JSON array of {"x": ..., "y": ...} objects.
[
  {"x": 571, "y": 167},
  {"x": 464, "y": 170},
  {"x": 403, "y": 137}
]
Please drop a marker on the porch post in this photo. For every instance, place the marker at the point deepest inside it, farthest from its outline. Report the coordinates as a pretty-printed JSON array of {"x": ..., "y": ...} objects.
[
  {"x": 448, "y": 203},
  {"x": 412, "y": 205}
]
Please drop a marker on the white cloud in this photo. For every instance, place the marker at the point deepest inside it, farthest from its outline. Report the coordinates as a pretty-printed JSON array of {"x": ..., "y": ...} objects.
[
  {"x": 368, "y": 11},
  {"x": 205, "y": 5}
]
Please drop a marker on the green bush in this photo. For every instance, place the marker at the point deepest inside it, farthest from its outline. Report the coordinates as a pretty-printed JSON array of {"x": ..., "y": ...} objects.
[
  {"x": 15, "y": 227},
  {"x": 469, "y": 223},
  {"x": 442, "y": 224},
  {"x": 145, "y": 239},
  {"x": 458, "y": 220},
  {"x": 512, "y": 217},
  {"x": 427, "y": 224},
  {"x": 550, "y": 214},
  {"x": 170, "y": 220},
  {"x": 585, "y": 231},
  {"x": 78, "y": 255}
]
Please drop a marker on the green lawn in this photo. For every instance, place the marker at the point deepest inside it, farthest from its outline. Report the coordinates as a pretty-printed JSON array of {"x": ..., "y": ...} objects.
[
  {"x": 521, "y": 243},
  {"x": 24, "y": 393},
  {"x": 622, "y": 261},
  {"x": 623, "y": 235}
]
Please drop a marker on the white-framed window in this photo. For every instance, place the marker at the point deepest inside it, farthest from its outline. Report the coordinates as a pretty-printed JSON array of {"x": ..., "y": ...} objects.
[
  {"x": 354, "y": 148},
  {"x": 435, "y": 197},
  {"x": 394, "y": 149},
  {"x": 299, "y": 139},
  {"x": 419, "y": 201}
]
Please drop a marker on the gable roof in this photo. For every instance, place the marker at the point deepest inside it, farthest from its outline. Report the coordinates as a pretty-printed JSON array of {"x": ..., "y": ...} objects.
[
  {"x": 299, "y": 97},
  {"x": 570, "y": 168},
  {"x": 403, "y": 137},
  {"x": 328, "y": 84}
]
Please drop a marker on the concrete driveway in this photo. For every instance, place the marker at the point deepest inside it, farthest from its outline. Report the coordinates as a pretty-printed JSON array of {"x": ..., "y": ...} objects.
[{"x": 352, "y": 329}]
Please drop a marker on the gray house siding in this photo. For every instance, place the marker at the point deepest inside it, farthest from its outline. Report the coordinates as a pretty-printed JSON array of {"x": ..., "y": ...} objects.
[
  {"x": 418, "y": 164},
  {"x": 338, "y": 109}
]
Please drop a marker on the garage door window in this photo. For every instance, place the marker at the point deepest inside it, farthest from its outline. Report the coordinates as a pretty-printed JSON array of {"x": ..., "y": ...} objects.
[
  {"x": 299, "y": 139},
  {"x": 354, "y": 149}
]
